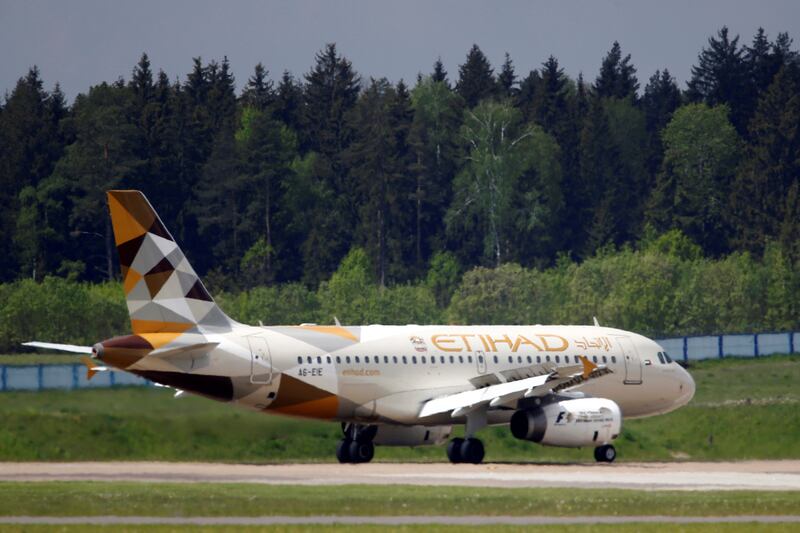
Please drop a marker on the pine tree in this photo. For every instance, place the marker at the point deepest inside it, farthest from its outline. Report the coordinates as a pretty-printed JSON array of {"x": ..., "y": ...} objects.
[
  {"x": 378, "y": 165},
  {"x": 770, "y": 167},
  {"x": 721, "y": 77},
  {"x": 661, "y": 98},
  {"x": 331, "y": 91},
  {"x": 142, "y": 82},
  {"x": 439, "y": 73},
  {"x": 507, "y": 79},
  {"x": 30, "y": 145},
  {"x": 475, "y": 78},
  {"x": 258, "y": 93},
  {"x": 617, "y": 78},
  {"x": 289, "y": 102},
  {"x": 435, "y": 156}
]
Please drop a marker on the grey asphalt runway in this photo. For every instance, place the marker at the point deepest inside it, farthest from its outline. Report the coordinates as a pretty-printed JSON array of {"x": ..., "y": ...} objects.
[
  {"x": 391, "y": 520},
  {"x": 745, "y": 475}
]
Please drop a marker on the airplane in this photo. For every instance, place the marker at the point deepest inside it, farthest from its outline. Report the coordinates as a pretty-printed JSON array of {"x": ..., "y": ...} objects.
[{"x": 568, "y": 386}]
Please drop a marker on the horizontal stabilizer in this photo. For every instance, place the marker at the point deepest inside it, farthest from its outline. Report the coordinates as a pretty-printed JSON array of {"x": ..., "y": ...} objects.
[
  {"x": 92, "y": 368},
  {"x": 59, "y": 347}
]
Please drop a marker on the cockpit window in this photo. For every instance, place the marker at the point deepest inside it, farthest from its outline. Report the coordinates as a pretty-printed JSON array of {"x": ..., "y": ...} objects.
[
  {"x": 668, "y": 358},
  {"x": 661, "y": 358}
]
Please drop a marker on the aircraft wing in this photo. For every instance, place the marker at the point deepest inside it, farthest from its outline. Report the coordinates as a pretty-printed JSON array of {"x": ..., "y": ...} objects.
[
  {"x": 59, "y": 347},
  {"x": 503, "y": 393}
]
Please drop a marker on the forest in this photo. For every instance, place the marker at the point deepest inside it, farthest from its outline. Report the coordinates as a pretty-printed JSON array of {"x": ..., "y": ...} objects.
[{"x": 441, "y": 183}]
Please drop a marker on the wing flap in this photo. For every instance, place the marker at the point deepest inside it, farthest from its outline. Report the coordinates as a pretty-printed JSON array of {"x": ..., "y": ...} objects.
[{"x": 557, "y": 380}]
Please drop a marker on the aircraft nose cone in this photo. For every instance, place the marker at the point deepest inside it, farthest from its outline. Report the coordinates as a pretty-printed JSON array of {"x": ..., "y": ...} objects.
[{"x": 687, "y": 387}]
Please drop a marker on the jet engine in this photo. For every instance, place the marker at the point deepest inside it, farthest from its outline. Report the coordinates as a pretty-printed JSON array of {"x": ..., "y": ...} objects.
[
  {"x": 388, "y": 435},
  {"x": 569, "y": 423}
]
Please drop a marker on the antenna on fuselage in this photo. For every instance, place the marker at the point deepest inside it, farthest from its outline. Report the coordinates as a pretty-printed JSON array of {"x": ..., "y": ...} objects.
[
  {"x": 596, "y": 323},
  {"x": 336, "y": 320}
]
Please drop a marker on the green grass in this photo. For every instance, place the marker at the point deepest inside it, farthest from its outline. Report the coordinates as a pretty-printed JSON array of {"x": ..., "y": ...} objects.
[
  {"x": 39, "y": 359},
  {"x": 744, "y": 409},
  {"x": 599, "y": 528},
  {"x": 216, "y": 499}
]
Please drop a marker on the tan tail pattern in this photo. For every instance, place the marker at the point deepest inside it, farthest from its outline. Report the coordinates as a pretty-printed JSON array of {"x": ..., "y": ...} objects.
[{"x": 163, "y": 292}]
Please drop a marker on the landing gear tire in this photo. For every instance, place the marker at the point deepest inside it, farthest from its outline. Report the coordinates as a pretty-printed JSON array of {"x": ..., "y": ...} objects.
[
  {"x": 605, "y": 454},
  {"x": 472, "y": 451},
  {"x": 343, "y": 450},
  {"x": 454, "y": 450},
  {"x": 361, "y": 452}
]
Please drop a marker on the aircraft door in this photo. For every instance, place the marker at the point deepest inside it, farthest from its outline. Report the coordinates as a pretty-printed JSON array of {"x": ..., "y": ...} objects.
[
  {"x": 260, "y": 361},
  {"x": 480, "y": 360},
  {"x": 633, "y": 365}
]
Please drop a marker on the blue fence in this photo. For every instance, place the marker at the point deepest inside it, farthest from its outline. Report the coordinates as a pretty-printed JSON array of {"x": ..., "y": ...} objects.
[
  {"x": 739, "y": 345},
  {"x": 40, "y": 377}
]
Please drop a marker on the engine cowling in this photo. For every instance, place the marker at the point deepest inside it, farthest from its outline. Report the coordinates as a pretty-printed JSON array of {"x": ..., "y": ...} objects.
[
  {"x": 569, "y": 423},
  {"x": 388, "y": 435}
]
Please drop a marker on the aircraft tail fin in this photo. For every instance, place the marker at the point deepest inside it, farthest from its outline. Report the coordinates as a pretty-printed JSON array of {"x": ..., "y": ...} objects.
[{"x": 163, "y": 292}]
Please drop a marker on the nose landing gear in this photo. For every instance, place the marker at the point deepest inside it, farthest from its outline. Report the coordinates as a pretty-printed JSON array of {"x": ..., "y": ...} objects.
[{"x": 605, "y": 454}]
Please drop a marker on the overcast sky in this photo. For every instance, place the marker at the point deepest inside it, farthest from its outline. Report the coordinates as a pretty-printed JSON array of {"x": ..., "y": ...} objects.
[{"x": 83, "y": 42}]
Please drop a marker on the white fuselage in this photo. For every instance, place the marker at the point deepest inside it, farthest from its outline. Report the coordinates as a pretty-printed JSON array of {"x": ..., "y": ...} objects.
[{"x": 383, "y": 374}]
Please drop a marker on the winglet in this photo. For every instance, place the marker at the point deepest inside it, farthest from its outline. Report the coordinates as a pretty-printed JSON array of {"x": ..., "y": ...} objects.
[
  {"x": 596, "y": 322},
  {"x": 90, "y": 367},
  {"x": 588, "y": 366}
]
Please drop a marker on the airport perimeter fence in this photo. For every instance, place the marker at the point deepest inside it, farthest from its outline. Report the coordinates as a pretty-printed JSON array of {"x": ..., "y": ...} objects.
[{"x": 41, "y": 377}]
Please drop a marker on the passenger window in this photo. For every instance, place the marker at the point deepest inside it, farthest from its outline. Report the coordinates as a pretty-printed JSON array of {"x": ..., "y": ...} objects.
[
  {"x": 309, "y": 359},
  {"x": 510, "y": 359},
  {"x": 558, "y": 359},
  {"x": 299, "y": 360},
  {"x": 594, "y": 358},
  {"x": 538, "y": 358},
  {"x": 614, "y": 359},
  {"x": 319, "y": 359},
  {"x": 519, "y": 359},
  {"x": 530, "y": 360},
  {"x": 394, "y": 359},
  {"x": 347, "y": 359},
  {"x": 495, "y": 359},
  {"x": 423, "y": 360},
  {"x": 414, "y": 359},
  {"x": 480, "y": 359},
  {"x": 357, "y": 360},
  {"x": 547, "y": 358},
  {"x": 461, "y": 359},
  {"x": 441, "y": 359},
  {"x": 366, "y": 359},
  {"x": 605, "y": 360},
  {"x": 386, "y": 359},
  {"x": 405, "y": 360},
  {"x": 469, "y": 358},
  {"x": 452, "y": 359},
  {"x": 328, "y": 359},
  {"x": 338, "y": 360}
]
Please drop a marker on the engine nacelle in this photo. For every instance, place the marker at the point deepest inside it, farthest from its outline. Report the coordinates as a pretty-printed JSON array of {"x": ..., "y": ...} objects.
[
  {"x": 569, "y": 423},
  {"x": 388, "y": 435}
]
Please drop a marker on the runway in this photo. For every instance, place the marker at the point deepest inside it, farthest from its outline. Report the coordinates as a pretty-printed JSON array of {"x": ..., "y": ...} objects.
[{"x": 745, "y": 475}]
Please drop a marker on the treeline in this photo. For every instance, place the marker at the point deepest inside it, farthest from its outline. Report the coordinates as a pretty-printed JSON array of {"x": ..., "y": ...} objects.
[
  {"x": 276, "y": 184},
  {"x": 664, "y": 287}
]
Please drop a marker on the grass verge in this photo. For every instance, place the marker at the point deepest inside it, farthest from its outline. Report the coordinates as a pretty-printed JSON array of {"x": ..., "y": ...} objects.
[
  {"x": 744, "y": 409},
  {"x": 592, "y": 528},
  {"x": 212, "y": 499}
]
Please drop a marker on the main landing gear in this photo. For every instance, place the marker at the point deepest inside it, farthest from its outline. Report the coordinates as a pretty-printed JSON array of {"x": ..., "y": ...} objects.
[
  {"x": 605, "y": 454},
  {"x": 465, "y": 450},
  {"x": 356, "y": 446}
]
